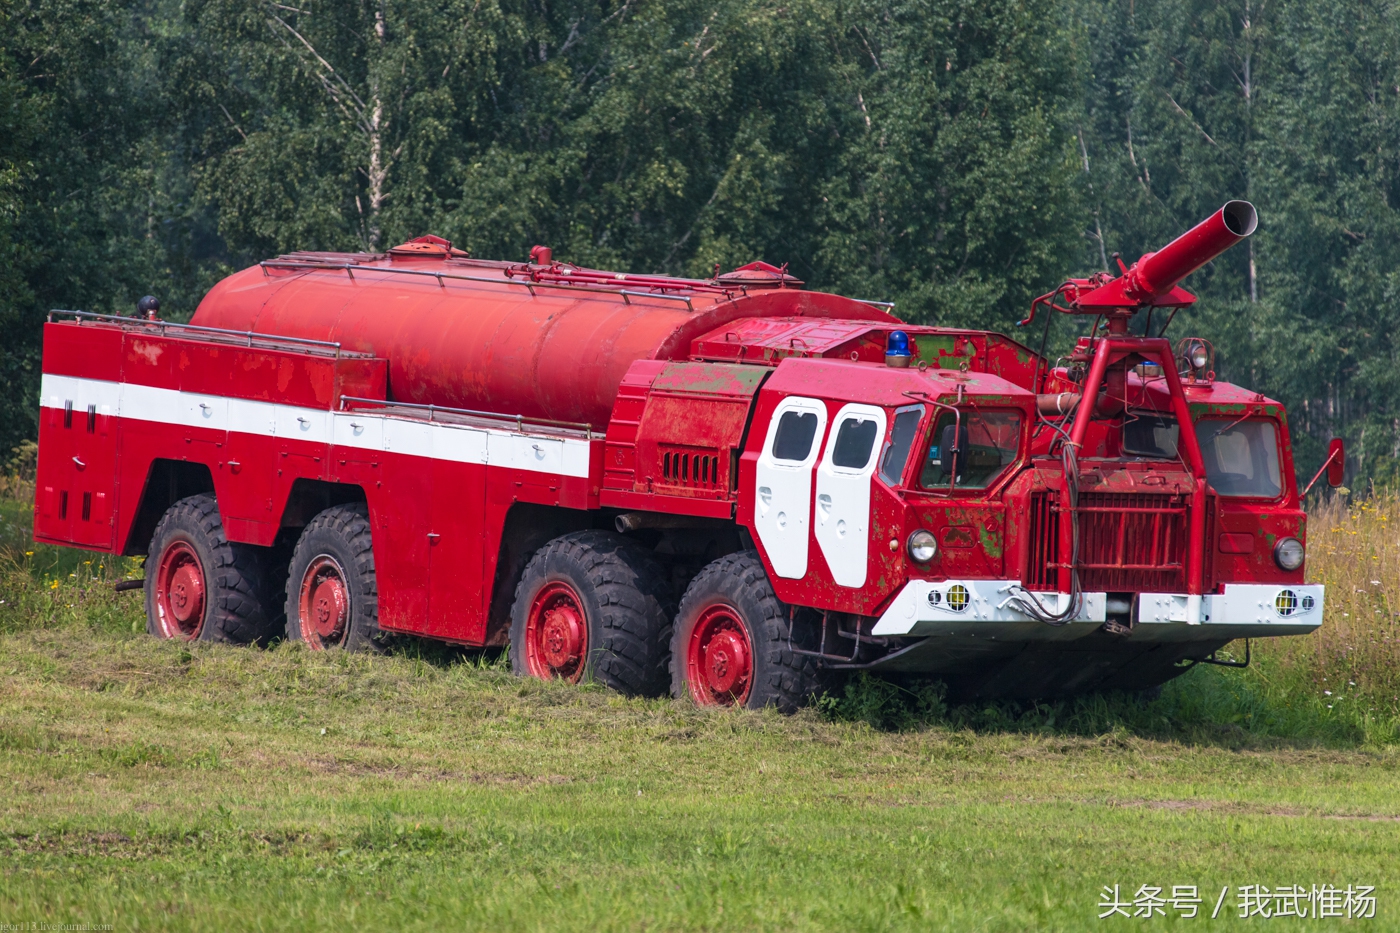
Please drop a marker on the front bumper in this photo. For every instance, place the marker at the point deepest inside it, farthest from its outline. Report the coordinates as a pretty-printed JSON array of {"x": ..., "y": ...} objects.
[{"x": 982, "y": 610}]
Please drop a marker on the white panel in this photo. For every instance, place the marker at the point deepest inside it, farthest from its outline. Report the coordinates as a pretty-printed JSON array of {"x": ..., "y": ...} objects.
[
  {"x": 526, "y": 452},
  {"x": 147, "y": 403},
  {"x": 246, "y": 417},
  {"x": 1255, "y": 602},
  {"x": 460, "y": 445},
  {"x": 358, "y": 430},
  {"x": 54, "y": 391},
  {"x": 412, "y": 438},
  {"x": 302, "y": 424},
  {"x": 1162, "y": 607},
  {"x": 843, "y": 501},
  {"x": 576, "y": 458},
  {"x": 783, "y": 493},
  {"x": 981, "y": 601},
  {"x": 204, "y": 411}
]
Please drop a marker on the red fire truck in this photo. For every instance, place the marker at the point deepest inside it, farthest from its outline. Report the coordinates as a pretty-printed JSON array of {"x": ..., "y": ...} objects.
[{"x": 719, "y": 488}]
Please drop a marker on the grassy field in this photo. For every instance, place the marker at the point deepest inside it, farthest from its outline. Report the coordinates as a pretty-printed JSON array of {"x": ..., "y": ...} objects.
[{"x": 152, "y": 785}]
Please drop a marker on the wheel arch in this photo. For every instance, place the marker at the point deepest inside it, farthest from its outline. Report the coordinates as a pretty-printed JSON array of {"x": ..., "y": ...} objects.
[
  {"x": 527, "y": 528},
  {"x": 167, "y": 482},
  {"x": 310, "y": 497}
]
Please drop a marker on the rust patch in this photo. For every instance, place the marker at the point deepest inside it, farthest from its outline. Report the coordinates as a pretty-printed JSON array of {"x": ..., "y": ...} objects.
[
  {"x": 710, "y": 378},
  {"x": 957, "y": 536},
  {"x": 990, "y": 537}
]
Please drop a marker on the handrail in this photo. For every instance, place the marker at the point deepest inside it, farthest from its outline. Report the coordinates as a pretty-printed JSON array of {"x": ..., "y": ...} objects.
[
  {"x": 625, "y": 292},
  {"x": 520, "y": 420},
  {"x": 878, "y": 304},
  {"x": 350, "y": 269},
  {"x": 247, "y": 336}
]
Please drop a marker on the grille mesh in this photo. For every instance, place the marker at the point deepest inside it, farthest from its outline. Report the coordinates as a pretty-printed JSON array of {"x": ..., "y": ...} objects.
[{"x": 1128, "y": 542}]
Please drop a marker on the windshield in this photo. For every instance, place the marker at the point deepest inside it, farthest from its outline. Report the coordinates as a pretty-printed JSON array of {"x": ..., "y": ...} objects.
[
  {"x": 990, "y": 442},
  {"x": 1241, "y": 456},
  {"x": 1150, "y": 435}
]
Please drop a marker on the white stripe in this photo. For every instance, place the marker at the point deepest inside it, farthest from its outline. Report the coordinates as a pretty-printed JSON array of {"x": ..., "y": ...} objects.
[{"x": 536, "y": 453}]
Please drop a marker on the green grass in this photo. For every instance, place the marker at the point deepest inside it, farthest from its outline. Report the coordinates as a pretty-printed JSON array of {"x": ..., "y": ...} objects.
[{"x": 153, "y": 785}]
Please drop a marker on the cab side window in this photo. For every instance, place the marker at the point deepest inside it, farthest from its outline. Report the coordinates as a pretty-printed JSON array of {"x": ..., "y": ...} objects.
[
  {"x": 796, "y": 431},
  {"x": 906, "y": 427},
  {"x": 855, "y": 442}
]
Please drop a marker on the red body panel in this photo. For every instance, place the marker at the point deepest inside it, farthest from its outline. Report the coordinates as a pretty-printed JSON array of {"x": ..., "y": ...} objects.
[{"x": 437, "y": 521}]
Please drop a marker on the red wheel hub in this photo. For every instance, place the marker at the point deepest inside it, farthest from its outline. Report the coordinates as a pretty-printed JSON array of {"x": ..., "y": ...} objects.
[
  {"x": 179, "y": 592},
  {"x": 324, "y": 603},
  {"x": 719, "y": 658},
  {"x": 556, "y": 633}
]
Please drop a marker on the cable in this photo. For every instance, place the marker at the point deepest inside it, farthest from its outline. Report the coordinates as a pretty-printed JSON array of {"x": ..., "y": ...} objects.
[{"x": 1021, "y": 599}]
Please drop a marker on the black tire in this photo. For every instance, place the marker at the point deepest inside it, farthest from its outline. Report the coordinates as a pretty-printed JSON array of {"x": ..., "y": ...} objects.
[
  {"x": 737, "y": 587},
  {"x": 336, "y": 545},
  {"x": 192, "y": 567},
  {"x": 622, "y": 594}
]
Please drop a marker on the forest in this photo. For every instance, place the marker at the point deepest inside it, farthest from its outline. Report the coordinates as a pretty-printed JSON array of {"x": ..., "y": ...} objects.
[{"x": 957, "y": 157}]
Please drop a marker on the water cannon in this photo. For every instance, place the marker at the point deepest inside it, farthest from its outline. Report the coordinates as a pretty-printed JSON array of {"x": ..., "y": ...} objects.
[{"x": 1152, "y": 281}]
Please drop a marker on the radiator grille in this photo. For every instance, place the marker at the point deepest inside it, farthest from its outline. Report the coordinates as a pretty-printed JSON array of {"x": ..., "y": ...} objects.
[
  {"x": 1128, "y": 542},
  {"x": 1042, "y": 571}
]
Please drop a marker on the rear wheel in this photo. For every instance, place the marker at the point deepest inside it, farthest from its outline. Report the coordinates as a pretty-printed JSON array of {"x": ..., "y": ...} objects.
[
  {"x": 199, "y": 585},
  {"x": 332, "y": 591},
  {"x": 593, "y": 606},
  {"x": 730, "y": 646}
]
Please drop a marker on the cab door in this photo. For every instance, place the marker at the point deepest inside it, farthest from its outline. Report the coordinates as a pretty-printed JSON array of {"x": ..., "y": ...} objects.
[
  {"x": 783, "y": 483},
  {"x": 843, "y": 492}
]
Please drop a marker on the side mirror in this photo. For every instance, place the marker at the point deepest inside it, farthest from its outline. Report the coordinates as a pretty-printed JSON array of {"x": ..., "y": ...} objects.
[
  {"x": 1336, "y": 462},
  {"x": 951, "y": 444}
]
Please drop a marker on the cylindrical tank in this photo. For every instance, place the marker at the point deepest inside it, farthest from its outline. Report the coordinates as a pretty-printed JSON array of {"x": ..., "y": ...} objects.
[{"x": 541, "y": 351}]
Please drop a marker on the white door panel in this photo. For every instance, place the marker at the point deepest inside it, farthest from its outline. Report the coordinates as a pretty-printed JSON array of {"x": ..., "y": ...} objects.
[
  {"x": 843, "y": 492},
  {"x": 783, "y": 493},
  {"x": 526, "y": 452},
  {"x": 411, "y": 438},
  {"x": 358, "y": 430},
  {"x": 201, "y": 411},
  {"x": 301, "y": 424}
]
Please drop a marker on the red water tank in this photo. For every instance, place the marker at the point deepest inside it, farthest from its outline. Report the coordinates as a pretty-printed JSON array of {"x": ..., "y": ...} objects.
[{"x": 544, "y": 341}]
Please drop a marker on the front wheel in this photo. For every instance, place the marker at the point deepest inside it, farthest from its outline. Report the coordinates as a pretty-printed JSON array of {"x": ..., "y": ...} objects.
[{"x": 731, "y": 647}]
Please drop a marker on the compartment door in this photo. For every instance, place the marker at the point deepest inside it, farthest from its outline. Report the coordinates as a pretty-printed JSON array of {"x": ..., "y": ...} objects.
[
  {"x": 843, "y": 492},
  {"x": 458, "y": 594},
  {"x": 76, "y": 483},
  {"x": 783, "y": 487}
]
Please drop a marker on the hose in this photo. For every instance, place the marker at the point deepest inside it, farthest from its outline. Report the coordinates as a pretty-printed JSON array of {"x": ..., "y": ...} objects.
[{"x": 1021, "y": 599}]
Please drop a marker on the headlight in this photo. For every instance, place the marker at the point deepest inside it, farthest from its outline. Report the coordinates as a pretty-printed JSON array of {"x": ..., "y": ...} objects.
[
  {"x": 1288, "y": 553},
  {"x": 922, "y": 547},
  {"x": 1199, "y": 357}
]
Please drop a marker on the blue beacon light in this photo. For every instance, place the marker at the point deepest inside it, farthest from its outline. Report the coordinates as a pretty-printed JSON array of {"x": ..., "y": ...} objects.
[{"x": 897, "y": 350}]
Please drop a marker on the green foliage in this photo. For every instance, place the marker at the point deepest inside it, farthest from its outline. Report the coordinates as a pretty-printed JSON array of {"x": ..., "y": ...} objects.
[
  {"x": 955, "y": 156},
  {"x": 1293, "y": 106}
]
